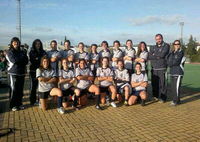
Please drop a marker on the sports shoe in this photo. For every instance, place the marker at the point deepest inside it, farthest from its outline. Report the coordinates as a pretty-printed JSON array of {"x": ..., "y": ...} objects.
[
  {"x": 126, "y": 103},
  {"x": 161, "y": 101},
  {"x": 154, "y": 99},
  {"x": 143, "y": 103},
  {"x": 98, "y": 107},
  {"x": 113, "y": 104},
  {"x": 21, "y": 107},
  {"x": 75, "y": 107},
  {"x": 14, "y": 108},
  {"x": 173, "y": 104},
  {"x": 60, "y": 110}
]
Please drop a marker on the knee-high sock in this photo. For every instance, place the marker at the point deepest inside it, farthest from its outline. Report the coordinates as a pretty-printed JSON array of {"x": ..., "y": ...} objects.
[
  {"x": 75, "y": 100},
  {"x": 97, "y": 99},
  {"x": 59, "y": 101}
]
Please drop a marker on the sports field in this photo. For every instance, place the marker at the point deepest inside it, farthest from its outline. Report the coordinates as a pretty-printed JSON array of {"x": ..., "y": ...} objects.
[{"x": 191, "y": 77}]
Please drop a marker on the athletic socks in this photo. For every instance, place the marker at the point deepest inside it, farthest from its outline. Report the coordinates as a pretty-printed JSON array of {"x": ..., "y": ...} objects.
[
  {"x": 59, "y": 101},
  {"x": 75, "y": 100},
  {"x": 97, "y": 99}
]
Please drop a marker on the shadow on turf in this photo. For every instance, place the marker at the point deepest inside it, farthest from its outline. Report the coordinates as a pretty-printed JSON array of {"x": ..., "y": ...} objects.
[{"x": 7, "y": 131}]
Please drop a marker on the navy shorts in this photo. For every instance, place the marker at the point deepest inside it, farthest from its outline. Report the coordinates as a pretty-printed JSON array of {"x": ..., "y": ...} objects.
[
  {"x": 137, "y": 93},
  {"x": 44, "y": 95},
  {"x": 104, "y": 89},
  {"x": 84, "y": 91},
  {"x": 66, "y": 93}
]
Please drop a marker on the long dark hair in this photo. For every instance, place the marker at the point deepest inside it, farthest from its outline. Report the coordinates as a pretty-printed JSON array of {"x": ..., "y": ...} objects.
[
  {"x": 139, "y": 48},
  {"x": 41, "y": 63},
  {"x": 34, "y": 42},
  {"x": 17, "y": 40}
]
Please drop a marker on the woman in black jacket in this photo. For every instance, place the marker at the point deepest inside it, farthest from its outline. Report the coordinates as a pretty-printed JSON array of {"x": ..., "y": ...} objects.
[
  {"x": 175, "y": 61},
  {"x": 35, "y": 55},
  {"x": 17, "y": 61}
]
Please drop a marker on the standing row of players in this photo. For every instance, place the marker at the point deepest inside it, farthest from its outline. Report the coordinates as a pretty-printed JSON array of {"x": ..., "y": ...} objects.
[{"x": 85, "y": 67}]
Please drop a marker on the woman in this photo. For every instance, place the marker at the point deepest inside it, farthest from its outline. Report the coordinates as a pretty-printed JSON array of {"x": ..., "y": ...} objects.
[
  {"x": 81, "y": 54},
  {"x": 139, "y": 82},
  {"x": 129, "y": 57},
  {"x": 68, "y": 54},
  {"x": 105, "y": 78},
  {"x": 117, "y": 54},
  {"x": 93, "y": 58},
  {"x": 66, "y": 81},
  {"x": 85, "y": 77},
  {"x": 142, "y": 56},
  {"x": 47, "y": 78},
  {"x": 175, "y": 61},
  {"x": 104, "y": 52},
  {"x": 54, "y": 56},
  {"x": 35, "y": 56},
  {"x": 17, "y": 61},
  {"x": 122, "y": 80}
]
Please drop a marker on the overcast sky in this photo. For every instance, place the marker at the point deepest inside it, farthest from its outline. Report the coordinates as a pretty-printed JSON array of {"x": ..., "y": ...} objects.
[{"x": 92, "y": 21}]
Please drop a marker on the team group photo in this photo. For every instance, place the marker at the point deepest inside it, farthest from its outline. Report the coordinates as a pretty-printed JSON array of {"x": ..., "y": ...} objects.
[{"x": 125, "y": 71}]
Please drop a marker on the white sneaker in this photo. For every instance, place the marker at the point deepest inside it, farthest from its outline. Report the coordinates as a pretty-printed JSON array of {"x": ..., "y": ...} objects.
[
  {"x": 113, "y": 104},
  {"x": 60, "y": 110},
  {"x": 21, "y": 107},
  {"x": 14, "y": 108}
]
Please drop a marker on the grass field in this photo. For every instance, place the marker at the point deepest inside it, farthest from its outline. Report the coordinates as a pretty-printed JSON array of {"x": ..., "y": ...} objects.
[{"x": 191, "y": 78}]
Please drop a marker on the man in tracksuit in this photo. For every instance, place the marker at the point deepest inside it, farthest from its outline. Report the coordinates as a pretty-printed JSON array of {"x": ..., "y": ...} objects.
[
  {"x": 157, "y": 56},
  {"x": 176, "y": 60}
]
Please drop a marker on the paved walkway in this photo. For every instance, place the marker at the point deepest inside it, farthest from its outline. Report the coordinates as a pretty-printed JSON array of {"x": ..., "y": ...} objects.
[{"x": 154, "y": 122}]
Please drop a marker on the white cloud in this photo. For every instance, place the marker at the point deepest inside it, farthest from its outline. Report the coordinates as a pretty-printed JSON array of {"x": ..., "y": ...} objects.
[
  {"x": 153, "y": 19},
  {"x": 41, "y": 29}
]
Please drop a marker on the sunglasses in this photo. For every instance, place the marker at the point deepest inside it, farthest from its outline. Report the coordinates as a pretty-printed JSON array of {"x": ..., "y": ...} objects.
[{"x": 176, "y": 44}]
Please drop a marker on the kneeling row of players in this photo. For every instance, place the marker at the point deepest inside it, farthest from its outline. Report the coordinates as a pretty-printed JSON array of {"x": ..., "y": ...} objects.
[{"x": 47, "y": 78}]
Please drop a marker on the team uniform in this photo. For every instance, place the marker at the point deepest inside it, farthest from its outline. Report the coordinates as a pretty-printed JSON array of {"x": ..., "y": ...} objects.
[
  {"x": 104, "y": 72},
  {"x": 83, "y": 85},
  {"x": 139, "y": 78},
  {"x": 35, "y": 58},
  {"x": 144, "y": 55},
  {"x": 93, "y": 67},
  {"x": 80, "y": 55},
  {"x": 66, "y": 54},
  {"x": 16, "y": 64},
  {"x": 176, "y": 62},
  {"x": 122, "y": 74},
  {"x": 67, "y": 88},
  {"x": 52, "y": 54},
  {"x": 116, "y": 54},
  {"x": 129, "y": 65},
  {"x": 45, "y": 88},
  {"x": 104, "y": 53},
  {"x": 159, "y": 69}
]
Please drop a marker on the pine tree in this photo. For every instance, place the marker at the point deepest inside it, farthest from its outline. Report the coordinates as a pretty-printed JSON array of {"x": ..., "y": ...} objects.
[{"x": 191, "y": 47}]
